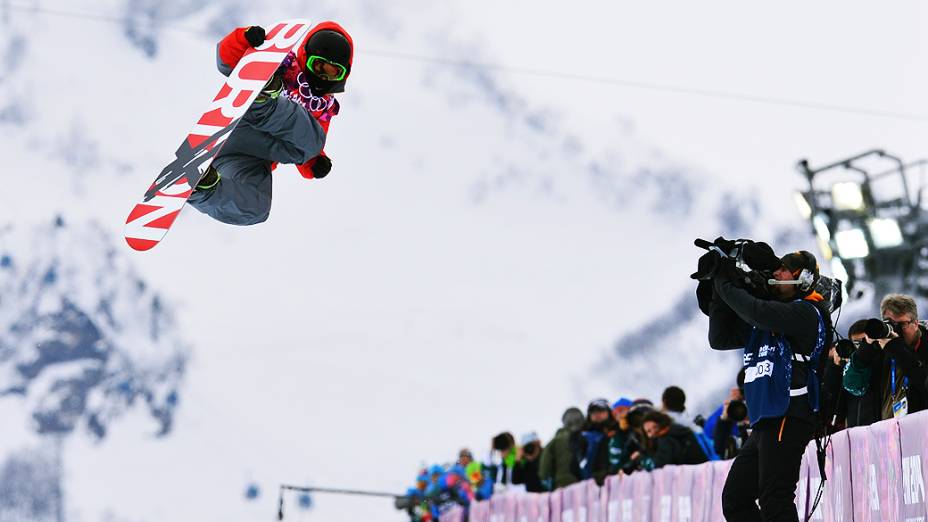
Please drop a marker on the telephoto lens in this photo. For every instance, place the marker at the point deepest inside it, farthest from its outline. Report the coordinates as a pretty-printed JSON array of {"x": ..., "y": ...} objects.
[
  {"x": 878, "y": 329},
  {"x": 737, "y": 411},
  {"x": 845, "y": 348}
]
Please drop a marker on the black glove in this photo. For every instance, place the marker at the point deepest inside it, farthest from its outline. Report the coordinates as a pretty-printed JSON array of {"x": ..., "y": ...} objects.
[
  {"x": 705, "y": 293},
  {"x": 321, "y": 167},
  {"x": 255, "y": 35},
  {"x": 707, "y": 266},
  {"x": 760, "y": 256}
]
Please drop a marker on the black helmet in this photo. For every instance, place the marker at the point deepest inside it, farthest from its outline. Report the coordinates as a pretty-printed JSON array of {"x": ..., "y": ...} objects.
[{"x": 334, "y": 47}]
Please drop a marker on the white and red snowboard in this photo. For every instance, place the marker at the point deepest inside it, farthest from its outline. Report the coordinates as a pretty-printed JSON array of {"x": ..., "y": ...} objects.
[{"x": 152, "y": 217}]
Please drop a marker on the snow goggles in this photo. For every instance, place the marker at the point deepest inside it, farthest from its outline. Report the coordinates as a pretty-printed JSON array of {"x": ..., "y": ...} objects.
[{"x": 318, "y": 65}]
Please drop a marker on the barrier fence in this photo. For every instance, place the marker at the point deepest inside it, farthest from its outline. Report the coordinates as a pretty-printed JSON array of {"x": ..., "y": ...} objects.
[{"x": 875, "y": 473}]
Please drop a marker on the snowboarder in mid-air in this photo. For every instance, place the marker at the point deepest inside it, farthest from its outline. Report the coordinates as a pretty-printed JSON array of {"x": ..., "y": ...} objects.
[{"x": 287, "y": 123}]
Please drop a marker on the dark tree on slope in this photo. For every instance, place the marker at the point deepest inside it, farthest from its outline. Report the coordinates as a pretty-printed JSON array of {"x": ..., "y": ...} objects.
[{"x": 30, "y": 486}]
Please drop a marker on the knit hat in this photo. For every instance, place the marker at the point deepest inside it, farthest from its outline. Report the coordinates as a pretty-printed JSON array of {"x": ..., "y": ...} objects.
[
  {"x": 623, "y": 402},
  {"x": 598, "y": 404}
]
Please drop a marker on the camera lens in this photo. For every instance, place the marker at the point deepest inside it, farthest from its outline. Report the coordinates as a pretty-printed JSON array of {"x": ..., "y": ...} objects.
[
  {"x": 845, "y": 348},
  {"x": 737, "y": 411},
  {"x": 878, "y": 329}
]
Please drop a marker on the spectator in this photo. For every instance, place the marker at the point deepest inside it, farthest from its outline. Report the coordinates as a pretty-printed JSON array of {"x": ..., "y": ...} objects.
[
  {"x": 525, "y": 470},
  {"x": 446, "y": 491},
  {"x": 558, "y": 467},
  {"x": 673, "y": 403},
  {"x": 617, "y": 454},
  {"x": 503, "y": 445},
  {"x": 636, "y": 447},
  {"x": 732, "y": 426},
  {"x": 734, "y": 394},
  {"x": 465, "y": 457},
  {"x": 480, "y": 481},
  {"x": 594, "y": 448},
  {"x": 842, "y": 408},
  {"x": 672, "y": 443},
  {"x": 899, "y": 359},
  {"x": 415, "y": 503}
]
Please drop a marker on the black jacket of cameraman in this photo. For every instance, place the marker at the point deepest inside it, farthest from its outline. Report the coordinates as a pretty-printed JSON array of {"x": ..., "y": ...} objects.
[
  {"x": 870, "y": 376},
  {"x": 734, "y": 312}
]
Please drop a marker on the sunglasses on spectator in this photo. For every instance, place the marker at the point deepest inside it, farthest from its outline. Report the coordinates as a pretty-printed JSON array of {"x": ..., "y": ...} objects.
[{"x": 326, "y": 69}]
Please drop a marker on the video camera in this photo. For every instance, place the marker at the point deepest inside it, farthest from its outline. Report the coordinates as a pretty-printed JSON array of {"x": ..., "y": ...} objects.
[{"x": 751, "y": 266}]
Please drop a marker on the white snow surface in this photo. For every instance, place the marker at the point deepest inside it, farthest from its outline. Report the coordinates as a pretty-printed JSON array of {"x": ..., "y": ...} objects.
[{"x": 484, "y": 239}]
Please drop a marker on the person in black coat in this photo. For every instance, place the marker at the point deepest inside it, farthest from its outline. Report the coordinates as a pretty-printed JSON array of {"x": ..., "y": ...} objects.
[
  {"x": 528, "y": 458},
  {"x": 841, "y": 408},
  {"x": 671, "y": 443}
]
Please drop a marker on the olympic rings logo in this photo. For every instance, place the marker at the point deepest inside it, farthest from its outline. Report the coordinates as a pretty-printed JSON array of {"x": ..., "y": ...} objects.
[{"x": 313, "y": 102}]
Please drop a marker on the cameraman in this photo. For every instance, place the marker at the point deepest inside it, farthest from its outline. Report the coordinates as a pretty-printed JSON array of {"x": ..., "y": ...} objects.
[
  {"x": 782, "y": 337},
  {"x": 895, "y": 365}
]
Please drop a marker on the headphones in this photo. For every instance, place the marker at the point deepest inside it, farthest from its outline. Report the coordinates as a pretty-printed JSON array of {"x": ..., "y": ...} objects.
[{"x": 805, "y": 281}]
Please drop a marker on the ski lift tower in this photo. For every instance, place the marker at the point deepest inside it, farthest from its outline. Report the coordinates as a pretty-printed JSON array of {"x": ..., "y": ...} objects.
[{"x": 866, "y": 213}]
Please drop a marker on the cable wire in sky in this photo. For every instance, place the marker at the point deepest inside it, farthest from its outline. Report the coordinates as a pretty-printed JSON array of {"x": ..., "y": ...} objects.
[{"x": 541, "y": 73}]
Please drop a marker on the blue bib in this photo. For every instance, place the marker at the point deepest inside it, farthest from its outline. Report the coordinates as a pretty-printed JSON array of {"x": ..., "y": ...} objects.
[{"x": 768, "y": 371}]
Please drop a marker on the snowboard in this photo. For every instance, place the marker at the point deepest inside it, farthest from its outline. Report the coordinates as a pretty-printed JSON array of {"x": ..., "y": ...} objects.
[{"x": 152, "y": 217}]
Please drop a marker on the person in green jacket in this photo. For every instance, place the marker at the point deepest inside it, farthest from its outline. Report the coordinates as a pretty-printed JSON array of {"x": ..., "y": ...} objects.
[{"x": 559, "y": 466}]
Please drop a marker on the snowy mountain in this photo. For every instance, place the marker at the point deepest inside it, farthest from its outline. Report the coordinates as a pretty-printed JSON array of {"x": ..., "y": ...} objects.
[
  {"x": 83, "y": 340},
  {"x": 489, "y": 249}
]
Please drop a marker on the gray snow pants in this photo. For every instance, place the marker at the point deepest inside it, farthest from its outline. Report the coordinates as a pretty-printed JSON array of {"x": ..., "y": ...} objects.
[{"x": 276, "y": 130}]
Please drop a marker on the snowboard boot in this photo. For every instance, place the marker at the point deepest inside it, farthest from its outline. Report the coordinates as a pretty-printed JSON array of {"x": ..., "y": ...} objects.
[
  {"x": 209, "y": 180},
  {"x": 271, "y": 90}
]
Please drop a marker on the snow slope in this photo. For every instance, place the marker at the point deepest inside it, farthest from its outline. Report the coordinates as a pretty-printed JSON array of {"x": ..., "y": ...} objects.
[{"x": 477, "y": 250}]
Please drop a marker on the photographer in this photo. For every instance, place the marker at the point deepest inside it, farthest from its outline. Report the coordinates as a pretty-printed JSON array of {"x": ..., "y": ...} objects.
[
  {"x": 893, "y": 365},
  {"x": 782, "y": 335},
  {"x": 732, "y": 425},
  {"x": 840, "y": 407},
  {"x": 527, "y": 460}
]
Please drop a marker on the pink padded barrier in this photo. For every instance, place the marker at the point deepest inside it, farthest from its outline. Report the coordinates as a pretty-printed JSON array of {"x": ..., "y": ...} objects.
[{"x": 913, "y": 433}]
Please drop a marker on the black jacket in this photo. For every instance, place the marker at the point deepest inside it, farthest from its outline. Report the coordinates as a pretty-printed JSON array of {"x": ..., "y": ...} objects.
[
  {"x": 844, "y": 409},
  {"x": 732, "y": 314},
  {"x": 677, "y": 446},
  {"x": 911, "y": 364},
  {"x": 726, "y": 443},
  {"x": 526, "y": 472}
]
